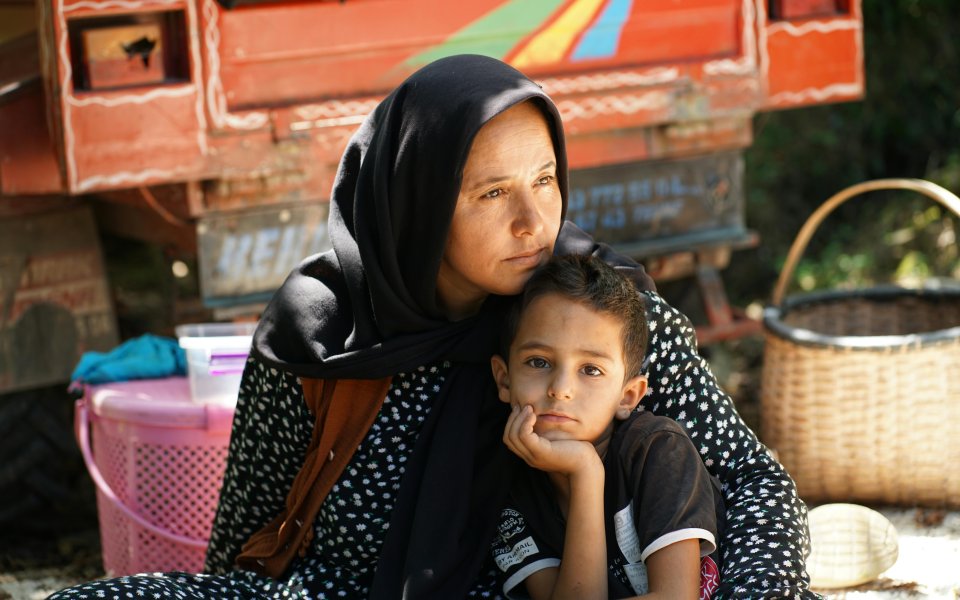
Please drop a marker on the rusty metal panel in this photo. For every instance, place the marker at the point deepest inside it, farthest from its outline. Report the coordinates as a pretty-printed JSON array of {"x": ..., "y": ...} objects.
[
  {"x": 244, "y": 257},
  {"x": 28, "y": 157},
  {"x": 127, "y": 136},
  {"x": 655, "y": 207},
  {"x": 19, "y": 60},
  {"x": 54, "y": 300},
  {"x": 16, "y": 21}
]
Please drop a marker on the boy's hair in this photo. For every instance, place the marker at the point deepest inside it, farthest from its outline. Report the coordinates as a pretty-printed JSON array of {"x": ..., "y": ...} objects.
[{"x": 595, "y": 284}]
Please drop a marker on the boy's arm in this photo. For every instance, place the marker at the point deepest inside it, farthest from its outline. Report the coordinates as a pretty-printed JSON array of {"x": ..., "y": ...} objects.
[
  {"x": 583, "y": 568},
  {"x": 674, "y": 572}
]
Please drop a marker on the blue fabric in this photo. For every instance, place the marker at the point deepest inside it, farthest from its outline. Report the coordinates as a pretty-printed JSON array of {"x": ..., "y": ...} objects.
[{"x": 145, "y": 357}]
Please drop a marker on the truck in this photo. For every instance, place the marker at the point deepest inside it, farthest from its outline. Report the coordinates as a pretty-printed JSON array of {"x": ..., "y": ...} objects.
[{"x": 214, "y": 128}]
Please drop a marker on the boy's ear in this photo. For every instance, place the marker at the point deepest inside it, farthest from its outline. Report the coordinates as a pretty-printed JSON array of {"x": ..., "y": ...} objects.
[
  {"x": 633, "y": 391},
  {"x": 502, "y": 376}
]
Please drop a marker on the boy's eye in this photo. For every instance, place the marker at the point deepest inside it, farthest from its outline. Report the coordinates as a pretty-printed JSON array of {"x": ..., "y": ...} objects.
[
  {"x": 592, "y": 371},
  {"x": 537, "y": 363}
]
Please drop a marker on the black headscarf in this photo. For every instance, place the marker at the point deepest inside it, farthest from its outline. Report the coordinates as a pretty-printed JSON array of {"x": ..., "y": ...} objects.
[{"x": 368, "y": 309}]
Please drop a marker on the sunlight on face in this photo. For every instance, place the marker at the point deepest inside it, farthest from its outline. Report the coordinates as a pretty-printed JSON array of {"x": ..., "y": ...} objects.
[
  {"x": 508, "y": 212},
  {"x": 567, "y": 362}
]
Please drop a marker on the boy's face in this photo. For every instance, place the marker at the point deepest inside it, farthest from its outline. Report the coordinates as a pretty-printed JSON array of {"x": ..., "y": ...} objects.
[{"x": 566, "y": 361}]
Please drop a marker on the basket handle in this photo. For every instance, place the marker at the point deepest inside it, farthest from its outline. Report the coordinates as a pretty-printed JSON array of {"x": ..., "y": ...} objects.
[
  {"x": 82, "y": 425},
  {"x": 938, "y": 193}
]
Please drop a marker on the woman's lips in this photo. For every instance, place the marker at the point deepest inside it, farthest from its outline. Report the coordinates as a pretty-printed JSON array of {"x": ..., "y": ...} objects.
[{"x": 527, "y": 259}]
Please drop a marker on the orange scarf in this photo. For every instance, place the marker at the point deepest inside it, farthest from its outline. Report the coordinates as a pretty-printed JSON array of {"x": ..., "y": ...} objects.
[{"x": 344, "y": 410}]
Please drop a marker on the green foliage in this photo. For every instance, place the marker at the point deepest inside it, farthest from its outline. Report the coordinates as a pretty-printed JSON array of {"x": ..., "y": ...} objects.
[
  {"x": 908, "y": 125},
  {"x": 909, "y": 244}
]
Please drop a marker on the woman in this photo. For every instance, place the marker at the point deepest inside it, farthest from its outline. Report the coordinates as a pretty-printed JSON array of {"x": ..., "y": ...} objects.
[{"x": 365, "y": 459}]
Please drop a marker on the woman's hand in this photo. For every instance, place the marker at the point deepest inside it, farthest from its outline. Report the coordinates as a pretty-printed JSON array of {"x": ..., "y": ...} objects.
[{"x": 568, "y": 457}]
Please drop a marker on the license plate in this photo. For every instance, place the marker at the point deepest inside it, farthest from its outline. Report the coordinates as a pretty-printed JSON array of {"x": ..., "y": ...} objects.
[
  {"x": 656, "y": 204},
  {"x": 245, "y": 257}
]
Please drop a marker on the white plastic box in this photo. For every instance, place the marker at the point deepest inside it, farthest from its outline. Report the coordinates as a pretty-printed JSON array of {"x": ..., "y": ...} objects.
[{"x": 216, "y": 354}]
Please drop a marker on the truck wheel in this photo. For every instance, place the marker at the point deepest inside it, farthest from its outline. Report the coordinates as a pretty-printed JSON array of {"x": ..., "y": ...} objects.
[{"x": 44, "y": 486}]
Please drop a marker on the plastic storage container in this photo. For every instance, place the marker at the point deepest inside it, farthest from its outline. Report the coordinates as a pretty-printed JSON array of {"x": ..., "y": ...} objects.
[
  {"x": 157, "y": 459},
  {"x": 216, "y": 354}
]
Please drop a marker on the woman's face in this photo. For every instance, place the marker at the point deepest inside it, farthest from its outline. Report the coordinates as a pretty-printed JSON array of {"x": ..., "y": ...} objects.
[{"x": 508, "y": 212}]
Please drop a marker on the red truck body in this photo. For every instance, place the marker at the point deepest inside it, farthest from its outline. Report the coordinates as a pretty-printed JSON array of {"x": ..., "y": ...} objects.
[{"x": 218, "y": 128}]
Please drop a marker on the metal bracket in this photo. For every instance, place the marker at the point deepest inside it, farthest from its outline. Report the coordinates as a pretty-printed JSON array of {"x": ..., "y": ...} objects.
[{"x": 724, "y": 321}]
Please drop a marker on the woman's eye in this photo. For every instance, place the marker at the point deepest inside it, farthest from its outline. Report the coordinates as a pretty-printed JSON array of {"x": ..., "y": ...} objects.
[
  {"x": 537, "y": 363},
  {"x": 592, "y": 371}
]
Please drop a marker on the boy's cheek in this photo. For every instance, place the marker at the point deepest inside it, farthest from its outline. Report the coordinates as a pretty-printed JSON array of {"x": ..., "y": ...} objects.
[{"x": 524, "y": 392}]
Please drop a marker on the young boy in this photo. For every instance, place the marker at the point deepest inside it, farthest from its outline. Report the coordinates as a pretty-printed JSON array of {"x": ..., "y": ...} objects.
[{"x": 618, "y": 502}]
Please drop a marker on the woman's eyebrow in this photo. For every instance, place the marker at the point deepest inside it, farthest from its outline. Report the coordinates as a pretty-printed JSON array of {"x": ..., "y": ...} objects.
[{"x": 497, "y": 178}]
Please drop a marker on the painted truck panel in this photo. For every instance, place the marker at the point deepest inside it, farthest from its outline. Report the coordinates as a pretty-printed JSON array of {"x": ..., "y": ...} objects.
[
  {"x": 249, "y": 108},
  {"x": 619, "y": 69}
]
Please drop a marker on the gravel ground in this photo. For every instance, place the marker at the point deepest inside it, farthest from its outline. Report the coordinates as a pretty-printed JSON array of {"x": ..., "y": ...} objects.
[{"x": 32, "y": 568}]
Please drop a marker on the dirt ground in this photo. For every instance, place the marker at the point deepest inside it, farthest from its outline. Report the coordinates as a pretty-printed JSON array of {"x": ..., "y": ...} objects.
[
  {"x": 35, "y": 564},
  {"x": 31, "y": 567}
]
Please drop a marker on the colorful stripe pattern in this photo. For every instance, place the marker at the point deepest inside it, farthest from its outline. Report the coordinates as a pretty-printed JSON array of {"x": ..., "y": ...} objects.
[
  {"x": 603, "y": 37},
  {"x": 552, "y": 43},
  {"x": 496, "y": 33},
  {"x": 533, "y": 33}
]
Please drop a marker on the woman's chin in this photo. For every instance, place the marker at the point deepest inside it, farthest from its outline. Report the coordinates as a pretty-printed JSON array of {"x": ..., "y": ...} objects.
[{"x": 512, "y": 286}]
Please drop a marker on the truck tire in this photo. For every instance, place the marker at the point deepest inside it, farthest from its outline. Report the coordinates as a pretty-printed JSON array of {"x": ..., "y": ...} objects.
[{"x": 44, "y": 486}]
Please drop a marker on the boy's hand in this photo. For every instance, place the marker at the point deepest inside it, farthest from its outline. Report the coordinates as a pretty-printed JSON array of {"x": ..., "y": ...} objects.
[{"x": 554, "y": 456}]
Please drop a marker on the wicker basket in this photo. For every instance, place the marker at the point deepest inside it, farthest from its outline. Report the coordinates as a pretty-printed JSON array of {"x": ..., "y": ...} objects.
[{"x": 861, "y": 389}]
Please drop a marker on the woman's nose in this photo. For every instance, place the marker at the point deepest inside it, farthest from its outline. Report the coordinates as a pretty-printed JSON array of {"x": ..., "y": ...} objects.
[{"x": 528, "y": 216}]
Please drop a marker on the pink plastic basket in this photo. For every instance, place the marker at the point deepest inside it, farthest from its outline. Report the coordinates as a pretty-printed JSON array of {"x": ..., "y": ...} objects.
[{"x": 157, "y": 460}]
